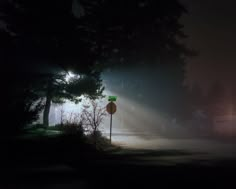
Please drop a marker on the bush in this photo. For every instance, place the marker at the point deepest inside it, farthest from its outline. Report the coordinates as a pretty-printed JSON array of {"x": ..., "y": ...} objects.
[
  {"x": 71, "y": 129},
  {"x": 98, "y": 140}
]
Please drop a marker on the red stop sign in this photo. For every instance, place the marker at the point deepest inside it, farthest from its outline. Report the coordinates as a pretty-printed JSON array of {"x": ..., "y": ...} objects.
[{"x": 111, "y": 108}]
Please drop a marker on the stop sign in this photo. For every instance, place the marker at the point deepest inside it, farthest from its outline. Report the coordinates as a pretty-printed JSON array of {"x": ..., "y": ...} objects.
[{"x": 111, "y": 108}]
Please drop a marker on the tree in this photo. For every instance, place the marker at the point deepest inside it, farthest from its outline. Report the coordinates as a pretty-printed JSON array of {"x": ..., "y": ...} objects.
[
  {"x": 93, "y": 117},
  {"x": 217, "y": 103},
  {"x": 136, "y": 30},
  {"x": 75, "y": 34},
  {"x": 40, "y": 38},
  {"x": 81, "y": 35},
  {"x": 59, "y": 87},
  {"x": 21, "y": 105}
]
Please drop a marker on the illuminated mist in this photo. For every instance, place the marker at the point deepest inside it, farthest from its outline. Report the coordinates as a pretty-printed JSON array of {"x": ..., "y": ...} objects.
[{"x": 153, "y": 112}]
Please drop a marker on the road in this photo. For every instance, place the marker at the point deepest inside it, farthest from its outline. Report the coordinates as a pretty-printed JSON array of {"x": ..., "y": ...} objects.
[{"x": 158, "y": 162}]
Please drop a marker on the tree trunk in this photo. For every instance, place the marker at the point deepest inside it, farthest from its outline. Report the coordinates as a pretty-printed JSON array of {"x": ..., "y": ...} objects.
[
  {"x": 48, "y": 104},
  {"x": 46, "y": 111}
]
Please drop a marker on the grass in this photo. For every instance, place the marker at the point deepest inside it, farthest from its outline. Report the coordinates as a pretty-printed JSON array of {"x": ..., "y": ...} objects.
[
  {"x": 67, "y": 133},
  {"x": 41, "y": 132}
]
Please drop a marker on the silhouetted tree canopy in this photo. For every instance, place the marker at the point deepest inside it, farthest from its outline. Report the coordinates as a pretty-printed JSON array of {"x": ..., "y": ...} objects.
[
  {"x": 77, "y": 33},
  {"x": 57, "y": 88}
]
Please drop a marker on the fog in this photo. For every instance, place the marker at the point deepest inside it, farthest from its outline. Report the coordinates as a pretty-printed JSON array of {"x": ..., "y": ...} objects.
[
  {"x": 155, "y": 111},
  {"x": 147, "y": 101}
]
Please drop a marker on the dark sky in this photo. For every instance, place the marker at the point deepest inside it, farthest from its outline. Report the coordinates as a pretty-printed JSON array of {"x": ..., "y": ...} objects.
[{"x": 211, "y": 28}]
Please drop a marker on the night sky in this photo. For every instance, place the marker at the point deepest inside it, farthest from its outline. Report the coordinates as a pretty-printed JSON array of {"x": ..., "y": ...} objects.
[{"x": 211, "y": 28}]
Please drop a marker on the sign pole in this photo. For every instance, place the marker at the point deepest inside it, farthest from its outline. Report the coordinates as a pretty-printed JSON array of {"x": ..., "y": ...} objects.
[
  {"x": 110, "y": 127},
  {"x": 111, "y": 109}
]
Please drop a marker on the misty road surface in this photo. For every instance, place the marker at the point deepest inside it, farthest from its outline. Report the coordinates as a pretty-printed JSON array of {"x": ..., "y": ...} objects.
[
  {"x": 205, "y": 148},
  {"x": 143, "y": 161}
]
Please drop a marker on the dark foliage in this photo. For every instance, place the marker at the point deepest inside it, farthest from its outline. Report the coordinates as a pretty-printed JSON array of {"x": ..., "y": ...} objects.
[
  {"x": 21, "y": 105},
  {"x": 71, "y": 129},
  {"x": 82, "y": 35}
]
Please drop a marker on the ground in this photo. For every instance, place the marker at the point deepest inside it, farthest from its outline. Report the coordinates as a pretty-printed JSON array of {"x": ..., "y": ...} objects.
[{"x": 66, "y": 163}]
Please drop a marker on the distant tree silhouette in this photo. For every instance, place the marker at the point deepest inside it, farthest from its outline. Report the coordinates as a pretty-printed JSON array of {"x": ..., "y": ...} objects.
[
  {"x": 196, "y": 97},
  {"x": 215, "y": 97}
]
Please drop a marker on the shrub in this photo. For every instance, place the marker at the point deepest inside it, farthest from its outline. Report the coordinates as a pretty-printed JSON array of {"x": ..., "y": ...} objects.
[
  {"x": 71, "y": 129},
  {"x": 98, "y": 140}
]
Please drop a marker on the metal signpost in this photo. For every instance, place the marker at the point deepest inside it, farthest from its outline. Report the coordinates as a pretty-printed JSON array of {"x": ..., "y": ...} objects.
[{"x": 111, "y": 109}]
